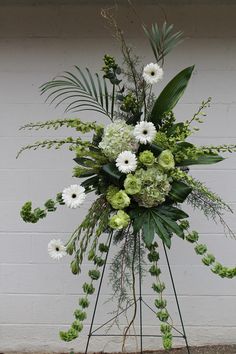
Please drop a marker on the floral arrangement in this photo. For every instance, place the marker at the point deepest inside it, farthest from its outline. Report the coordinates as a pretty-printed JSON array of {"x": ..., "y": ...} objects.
[{"x": 138, "y": 167}]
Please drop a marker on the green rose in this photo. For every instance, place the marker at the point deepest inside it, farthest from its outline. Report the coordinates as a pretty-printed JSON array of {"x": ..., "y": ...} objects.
[
  {"x": 119, "y": 200},
  {"x": 119, "y": 221},
  {"x": 147, "y": 158},
  {"x": 166, "y": 160},
  {"x": 132, "y": 184}
]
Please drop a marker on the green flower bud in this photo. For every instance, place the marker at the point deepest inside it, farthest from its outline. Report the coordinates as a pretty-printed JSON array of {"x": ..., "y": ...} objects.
[
  {"x": 88, "y": 288},
  {"x": 83, "y": 302},
  {"x": 132, "y": 184},
  {"x": 103, "y": 248},
  {"x": 200, "y": 249},
  {"x": 59, "y": 199},
  {"x": 153, "y": 256},
  {"x": 154, "y": 270},
  {"x": 217, "y": 268},
  {"x": 147, "y": 158},
  {"x": 70, "y": 248},
  {"x": 166, "y": 160},
  {"x": 192, "y": 237},
  {"x": 184, "y": 224},
  {"x": 50, "y": 205},
  {"x": 163, "y": 315},
  {"x": 98, "y": 261},
  {"x": 75, "y": 268},
  {"x": 77, "y": 325},
  {"x": 94, "y": 274},
  {"x": 119, "y": 221},
  {"x": 167, "y": 341},
  {"x": 158, "y": 288},
  {"x": 80, "y": 315},
  {"x": 120, "y": 200},
  {"x": 91, "y": 255},
  {"x": 165, "y": 328},
  {"x": 160, "y": 303},
  {"x": 208, "y": 259},
  {"x": 70, "y": 335}
]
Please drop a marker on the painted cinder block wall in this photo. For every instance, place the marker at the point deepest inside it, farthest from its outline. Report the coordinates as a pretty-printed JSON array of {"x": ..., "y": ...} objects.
[{"x": 38, "y": 295}]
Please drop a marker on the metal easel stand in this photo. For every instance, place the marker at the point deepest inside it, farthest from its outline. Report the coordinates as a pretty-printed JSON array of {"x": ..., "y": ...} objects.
[{"x": 141, "y": 302}]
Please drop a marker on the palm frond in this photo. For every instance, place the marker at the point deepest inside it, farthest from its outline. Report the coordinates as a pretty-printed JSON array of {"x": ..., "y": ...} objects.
[
  {"x": 79, "y": 92},
  {"x": 162, "y": 39}
]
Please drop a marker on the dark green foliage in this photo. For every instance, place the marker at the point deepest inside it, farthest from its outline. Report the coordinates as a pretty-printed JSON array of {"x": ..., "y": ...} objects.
[
  {"x": 160, "y": 220},
  {"x": 170, "y": 96},
  {"x": 162, "y": 39},
  {"x": 179, "y": 191}
]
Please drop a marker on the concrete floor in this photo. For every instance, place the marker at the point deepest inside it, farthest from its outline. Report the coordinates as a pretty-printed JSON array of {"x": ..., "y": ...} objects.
[{"x": 218, "y": 349}]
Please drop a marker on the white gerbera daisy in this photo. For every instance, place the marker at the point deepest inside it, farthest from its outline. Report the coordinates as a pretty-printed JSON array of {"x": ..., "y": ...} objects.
[
  {"x": 56, "y": 249},
  {"x": 126, "y": 162},
  {"x": 152, "y": 73},
  {"x": 144, "y": 132},
  {"x": 73, "y": 196}
]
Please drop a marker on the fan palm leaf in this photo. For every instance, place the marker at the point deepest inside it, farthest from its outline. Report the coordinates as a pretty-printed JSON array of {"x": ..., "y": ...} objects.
[{"x": 79, "y": 92}]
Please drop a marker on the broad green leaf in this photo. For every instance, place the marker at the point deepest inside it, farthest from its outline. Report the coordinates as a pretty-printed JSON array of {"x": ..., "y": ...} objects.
[
  {"x": 172, "y": 226},
  {"x": 161, "y": 231},
  {"x": 112, "y": 171},
  {"x": 148, "y": 229},
  {"x": 207, "y": 159},
  {"x": 84, "y": 161},
  {"x": 90, "y": 183},
  {"x": 179, "y": 191},
  {"x": 170, "y": 95},
  {"x": 172, "y": 212}
]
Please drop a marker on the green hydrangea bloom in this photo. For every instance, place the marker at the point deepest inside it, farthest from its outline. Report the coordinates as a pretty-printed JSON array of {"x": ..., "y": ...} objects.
[
  {"x": 120, "y": 200},
  {"x": 147, "y": 158},
  {"x": 154, "y": 186},
  {"x": 132, "y": 185},
  {"x": 111, "y": 191},
  {"x": 117, "y": 137},
  {"x": 166, "y": 160},
  {"x": 119, "y": 221}
]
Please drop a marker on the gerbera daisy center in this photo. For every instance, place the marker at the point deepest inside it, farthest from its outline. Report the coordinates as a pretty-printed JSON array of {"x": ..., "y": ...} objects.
[{"x": 73, "y": 195}]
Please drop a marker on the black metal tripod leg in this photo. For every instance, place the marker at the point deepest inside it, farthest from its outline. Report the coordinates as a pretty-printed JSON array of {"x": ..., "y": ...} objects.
[
  {"x": 176, "y": 299},
  {"x": 140, "y": 298},
  {"x": 98, "y": 294}
]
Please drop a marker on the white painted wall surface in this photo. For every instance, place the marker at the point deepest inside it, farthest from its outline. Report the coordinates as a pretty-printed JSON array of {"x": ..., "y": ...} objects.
[{"x": 37, "y": 295}]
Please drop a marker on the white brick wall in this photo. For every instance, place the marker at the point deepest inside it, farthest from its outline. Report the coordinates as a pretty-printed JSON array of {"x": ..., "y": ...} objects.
[{"x": 38, "y": 296}]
